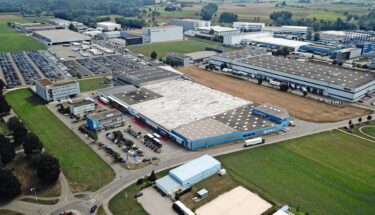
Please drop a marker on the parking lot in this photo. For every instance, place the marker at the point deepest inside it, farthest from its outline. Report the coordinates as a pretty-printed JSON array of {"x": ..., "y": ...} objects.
[
  {"x": 81, "y": 51},
  {"x": 154, "y": 203}
]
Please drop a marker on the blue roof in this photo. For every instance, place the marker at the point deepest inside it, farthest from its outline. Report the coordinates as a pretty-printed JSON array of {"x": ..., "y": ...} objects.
[{"x": 194, "y": 167}]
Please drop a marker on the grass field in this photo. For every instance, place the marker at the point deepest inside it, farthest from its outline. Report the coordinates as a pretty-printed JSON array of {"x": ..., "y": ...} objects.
[
  {"x": 3, "y": 128},
  {"x": 9, "y": 212},
  {"x": 365, "y": 129},
  {"x": 12, "y": 40},
  {"x": 327, "y": 173},
  {"x": 186, "y": 46},
  {"x": 93, "y": 84},
  {"x": 84, "y": 169}
]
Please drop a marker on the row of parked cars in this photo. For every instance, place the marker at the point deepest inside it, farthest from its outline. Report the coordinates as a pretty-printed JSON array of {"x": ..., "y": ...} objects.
[
  {"x": 9, "y": 72},
  {"x": 28, "y": 72},
  {"x": 43, "y": 65},
  {"x": 94, "y": 67}
]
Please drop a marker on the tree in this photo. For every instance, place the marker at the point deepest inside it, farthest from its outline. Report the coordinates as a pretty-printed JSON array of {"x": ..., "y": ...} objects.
[
  {"x": 18, "y": 129},
  {"x": 228, "y": 17},
  {"x": 10, "y": 187},
  {"x": 154, "y": 55},
  {"x": 282, "y": 17},
  {"x": 208, "y": 11},
  {"x": 48, "y": 168},
  {"x": 32, "y": 145},
  {"x": 316, "y": 37},
  {"x": 7, "y": 150},
  {"x": 359, "y": 119},
  {"x": 71, "y": 27},
  {"x": 369, "y": 118},
  {"x": 153, "y": 176},
  {"x": 4, "y": 106},
  {"x": 282, "y": 52},
  {"x": 260, "y": 81}
]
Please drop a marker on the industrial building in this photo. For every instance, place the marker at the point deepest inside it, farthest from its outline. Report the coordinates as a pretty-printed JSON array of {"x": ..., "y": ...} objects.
[
  {"x": 162, "y": 34},
  {"x": 334, "y": 37},
  {"x": 81, "y": 107},
  {"x": 275, "y": 43},
  {"x": 196, "y": 116},
  {"x": 217, "y": 31},
  {"x": 244, "y": 38},
  {"x": 178, "y": 58},
  {"x": 105, "y": 120},
  {"x": 29, "y": 28},
  {"x": 60, "y": 22},
  {"x": 319, "y": 78},
  {"x": 190, "y": 24},
  {"x": 288, "y": 32},
  {"x": 108, "y": 26},
  {"x": 249, "y": 26},
  {"x": 320, "y": 49},
  {"x": 60, "y": 36},
  {"x": 188, "y": 174},
  {"x": 50, "y": 91},
  {"x": 142, "y": 76},
  {"x": 131, "y": 38},
  {"x": 109, "y": 35}
]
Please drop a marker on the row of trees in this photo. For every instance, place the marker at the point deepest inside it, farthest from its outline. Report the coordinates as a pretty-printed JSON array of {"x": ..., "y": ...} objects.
[
  {"x": 130, "y": 22},
  {"x": 47, "y": 166},
  {"x": 208, "y": 11},
  {"x": 4, "y": 106}
]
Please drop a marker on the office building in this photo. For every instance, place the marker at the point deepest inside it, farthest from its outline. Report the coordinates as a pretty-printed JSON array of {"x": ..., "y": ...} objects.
[
  {"x": 248, "y": 26},
  {"x": 81, "y": 107},
  {"x": 50, "y": 91},
  {"x": 105, "y": 120}
]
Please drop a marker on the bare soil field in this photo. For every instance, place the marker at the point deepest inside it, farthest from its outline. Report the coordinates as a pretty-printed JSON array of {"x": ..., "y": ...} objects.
[{"x": 297, "y": 106}]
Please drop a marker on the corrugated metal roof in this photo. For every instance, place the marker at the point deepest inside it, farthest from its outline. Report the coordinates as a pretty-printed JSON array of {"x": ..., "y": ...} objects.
[
  {"x": 168, "y": 184},
  {"x": 194, "y": 167}
]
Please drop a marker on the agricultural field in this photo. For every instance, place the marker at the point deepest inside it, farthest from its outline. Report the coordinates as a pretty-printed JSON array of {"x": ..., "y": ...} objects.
[
  {"x": 327, "y": 173},
  {"x": 297, "y": 106},
  {"x": 186, "y": 46},
  {"x": 84, "y": 169},
  {"x": 93, "y": 84},
  {"x": 12, "y": 40}
]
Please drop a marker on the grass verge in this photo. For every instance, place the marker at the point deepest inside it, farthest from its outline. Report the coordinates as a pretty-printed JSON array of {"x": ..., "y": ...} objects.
[
  {"x": 84, "y": 169},
  {"x": 41, "y": 201},
  {"x": 9, "y": 212},
  {"x": 93, "y": 84}
]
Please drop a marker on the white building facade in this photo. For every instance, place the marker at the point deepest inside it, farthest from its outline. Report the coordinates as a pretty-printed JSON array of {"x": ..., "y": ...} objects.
[
  {"x": 82, "y": 107},
  {"x": 190, "y": 24},
  {"x": 109, "y": 26},
  {"x": 248, "y": 26},
  {"x": 162, "y": 34},
  {"x": 53, "y": 92}
]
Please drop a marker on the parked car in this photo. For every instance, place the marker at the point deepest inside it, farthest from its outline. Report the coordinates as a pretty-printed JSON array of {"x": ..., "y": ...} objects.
[
  {"x": 93, "y": 209},
  {"x": 138, "y": 194}
]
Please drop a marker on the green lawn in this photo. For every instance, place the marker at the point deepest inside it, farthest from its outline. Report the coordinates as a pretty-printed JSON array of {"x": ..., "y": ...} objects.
[
  {"x": 84, "y": 169},
  {"x": 93, "y": 84},
  {"x": 367, "y": 128},
  {"x": 3, "y": 128},
  {"x": 186, "y": 46},
  {"x": 369, "y": 131},
  {"x": 9, "y": 212},
  {"x": 328, "y": 173},
  {"x": 12, "y": 40}
]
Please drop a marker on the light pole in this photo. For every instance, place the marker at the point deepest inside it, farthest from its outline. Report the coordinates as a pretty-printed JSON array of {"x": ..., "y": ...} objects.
[{"x": 34, "y": 190}]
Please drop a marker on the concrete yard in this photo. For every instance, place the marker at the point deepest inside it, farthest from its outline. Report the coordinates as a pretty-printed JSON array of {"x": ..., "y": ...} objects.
[
  {"x": 298, "y": 106},
  {"x": 238, "y": 201},
  {"x": 154, "y": 203}
]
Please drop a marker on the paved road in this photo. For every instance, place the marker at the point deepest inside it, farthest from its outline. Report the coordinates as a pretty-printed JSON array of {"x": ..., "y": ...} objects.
[{"x": 126, "y": 178}]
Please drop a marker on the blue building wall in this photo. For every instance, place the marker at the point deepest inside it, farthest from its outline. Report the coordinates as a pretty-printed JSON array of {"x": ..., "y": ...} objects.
[
  {"x": 283, "y": 121},
  {"x": 312, "y": 49},
  {"x": 92, "y": 124},
  {"x": 199, "y": 177}
]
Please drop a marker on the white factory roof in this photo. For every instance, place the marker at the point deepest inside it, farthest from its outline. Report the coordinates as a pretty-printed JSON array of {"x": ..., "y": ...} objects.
[
  {"x": 249, "y": 23},
  {"x": 294, "y": 27},
  {"x": 334, "y": 33},
  {"x": 107, "y": 24},
  {"x": 183, "y": 102},
  {"x": 279, "y": 42},
  {"x": 194, "y": 167},
  {"x": 217, "y": 28},
  {"x": 62, "y": 35}
]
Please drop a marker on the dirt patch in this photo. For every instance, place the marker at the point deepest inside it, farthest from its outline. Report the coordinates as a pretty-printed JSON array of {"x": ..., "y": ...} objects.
[
  {"x": 8, "y": 16},
  {"x": 297, "y": 106},
  {"x": 27, "y": 175}
]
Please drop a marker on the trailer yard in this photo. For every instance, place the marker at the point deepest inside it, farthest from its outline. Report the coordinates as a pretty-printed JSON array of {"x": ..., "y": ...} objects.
[{"x": 298, "y": 106}]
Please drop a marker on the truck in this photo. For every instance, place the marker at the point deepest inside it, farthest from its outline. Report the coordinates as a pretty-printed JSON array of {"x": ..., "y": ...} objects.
[
  {"x": 254, "y": 141},
  {"x": 274, "y": 83}
]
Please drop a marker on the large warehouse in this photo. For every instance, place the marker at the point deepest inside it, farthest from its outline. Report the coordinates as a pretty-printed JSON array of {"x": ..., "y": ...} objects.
[
  {"x": 190, "y": 24},
  {"x": 188, "y": 174},
  {"x": 52, "y": 37},
  {"x": 319, "y": 78},
  {"x": 196, "y": 116},
  {"x": 162, "y": 34}
]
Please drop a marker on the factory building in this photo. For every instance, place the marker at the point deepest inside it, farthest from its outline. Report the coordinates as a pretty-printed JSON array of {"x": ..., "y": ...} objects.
[
  {"x": 196, "y": 116},
  {"x": 217, "y": 31},
  {"x": 310, "y": 76},
  {"x": 190, "y": 24},
  {"x": 178, "y": 58},
  {"x": 288, "y": 32},
  {"x": 60, "y": 22},
  {"x": 105, "y": 120},
  {"x": 53, "y": 37},
  {"x": 110, "y": 35},
  {"x": 249, "y": 26},
  {"x": 29, "y": 28},
  {"x": 162, "y": 34},
  {"x": 319, "y": 49},
  {"x": 81, "y": 107},
  {"x": 188, "y": 174},
  {"x": 333, "y": 37},
  {"x": 243, "y": 38},
  {"x": 275, "y": 43},
  {"x": 108, "y": 26},
  {"x": 50, "y": 91},
  {"x": 131, "y": 39}
]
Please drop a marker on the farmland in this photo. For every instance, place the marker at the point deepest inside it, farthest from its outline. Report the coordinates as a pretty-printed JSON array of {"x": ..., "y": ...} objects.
[
  {"x": 297, "y": 106},
  {"x": 327, "y": 173},
  {"x": 186, "y": 46},
  {"x": 12, "y": 40},
  {"x": 84, "y": 169}
]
